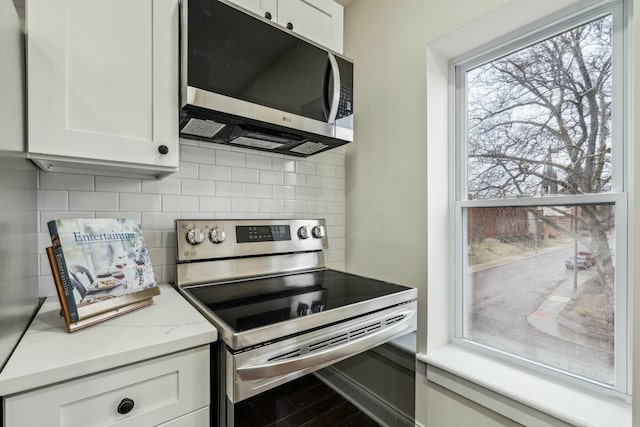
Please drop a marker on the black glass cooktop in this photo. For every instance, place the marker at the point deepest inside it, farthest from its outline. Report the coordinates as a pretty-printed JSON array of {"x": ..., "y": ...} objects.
[{"x": 249, "y": 304}]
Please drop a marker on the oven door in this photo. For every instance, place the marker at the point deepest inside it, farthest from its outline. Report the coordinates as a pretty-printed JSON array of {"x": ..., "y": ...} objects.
[{"x": 246, "y": 373}]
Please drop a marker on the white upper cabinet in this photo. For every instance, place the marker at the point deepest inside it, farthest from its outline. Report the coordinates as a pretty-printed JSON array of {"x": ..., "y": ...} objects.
[
  {"x": 102, "y": 80},
  {"x": 317, "y": 20}
]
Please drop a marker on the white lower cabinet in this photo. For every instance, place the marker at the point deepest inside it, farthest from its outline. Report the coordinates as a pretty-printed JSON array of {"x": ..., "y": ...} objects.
[
  {"x": 170, "y": 391},
  {"x": 197, "y": 418}
]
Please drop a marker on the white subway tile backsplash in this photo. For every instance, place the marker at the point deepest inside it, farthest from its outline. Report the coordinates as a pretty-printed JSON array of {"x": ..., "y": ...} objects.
[
  {"x": 171, "y": 203},
  {"x": 316, "y": 181},
  {"x": 283, "y": 165},
  {"x": 119, "y": 214},
  {"x": 153, "y": 238},
  {"x": 65, "y": 181},
  {"x": 44, "y": 239},
  {"x": 164, "y": 186},
  {"x": 196, "y": 187},
  {"x": 53, "y": 200},
  {"x": 187, "y": 170},
  {"x": 337, "y": 243},
  {"x": 46, "y": 216},
  {"x": 195, "y": 154},
  {"x": 295, "y": 179},
  {"x": 213, "y": 182},
  {"x": 46, "y": 287},
  {"x": 336, "y": 183},
  {"x": 327, "y": 195},
  {"x": 215, "y": 173},
  {"x": 245, "y": 205},
  {"x": 168, "y": 273},
  {"x": 326, "y": 170},
  {"x": 306, "y": 167},
  {"x": 283, "y": 192},
  {"x": 213, "y": 205},
  {"x": 140, "y": 202},
  {"x": 258, "y": 161},
  {"x": 44, "y": 266},
  {"x": 162, "y": 256},
  {"x": 258, "y": 191},
  {"x": 169, "y": 238},
  {"x": 335, "y": 159},
  {"x": 122, "y": 185},
  {"x": 337, "y": 232},
  {"x": 230, "y": 189},
  {"x": 158, "y": 220},
  {"x": 230, "y": 158},
  {"x": 271, "y": 206},
  {"x": 271, "y": 177},
  {"x": 297, "y": 207},
  {"x": 93, "y": 201},
  {"x": 317, "y": 207},
  {"x": 303, "y": 193},
  {"x": 245, "y": 175}
]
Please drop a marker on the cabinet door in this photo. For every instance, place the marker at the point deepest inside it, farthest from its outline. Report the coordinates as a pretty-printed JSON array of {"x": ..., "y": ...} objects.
[
  {"x": 199, "y": 418},
  {"x": 157, "y": 390},
  {"x": 103, "y": 83},
  {"x": 317, "y": 20},
  {"x": 259, "y": 7}
]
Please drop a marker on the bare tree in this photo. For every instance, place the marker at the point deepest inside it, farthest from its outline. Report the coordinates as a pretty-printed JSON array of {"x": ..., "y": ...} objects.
[{"x": 540, "y": 118}]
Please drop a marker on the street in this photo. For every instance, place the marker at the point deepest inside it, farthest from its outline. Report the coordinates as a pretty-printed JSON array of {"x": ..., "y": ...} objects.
[{"x": 504, "y": 296}]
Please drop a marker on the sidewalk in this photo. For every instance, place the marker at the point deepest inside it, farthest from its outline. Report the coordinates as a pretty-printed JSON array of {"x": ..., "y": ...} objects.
[{"x": 546, "y": 317}]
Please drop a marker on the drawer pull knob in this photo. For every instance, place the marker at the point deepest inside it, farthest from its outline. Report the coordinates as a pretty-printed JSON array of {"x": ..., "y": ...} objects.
[
  {"x": 125, "y": 406},
  {"x": 163, "y": 149}
]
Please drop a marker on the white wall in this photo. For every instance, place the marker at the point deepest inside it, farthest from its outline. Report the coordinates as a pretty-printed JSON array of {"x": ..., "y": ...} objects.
[
  {"x": 387, "y": 175},
  {"x": 386, "y": 228}
]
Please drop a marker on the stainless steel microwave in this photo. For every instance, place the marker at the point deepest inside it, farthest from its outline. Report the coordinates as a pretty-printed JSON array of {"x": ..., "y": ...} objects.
[{"x": 247, "y": 82}]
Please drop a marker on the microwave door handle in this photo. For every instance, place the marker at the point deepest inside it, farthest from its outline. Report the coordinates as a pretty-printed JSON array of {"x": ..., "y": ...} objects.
[{"x": 333, "y": 91}]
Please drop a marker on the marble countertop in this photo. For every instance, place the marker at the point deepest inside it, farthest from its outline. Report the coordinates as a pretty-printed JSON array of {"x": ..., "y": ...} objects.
[{"x": 48, "y": 354}]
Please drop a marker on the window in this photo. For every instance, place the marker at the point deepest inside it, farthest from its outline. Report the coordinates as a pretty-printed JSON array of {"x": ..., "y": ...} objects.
[{"x": 540, "y": 201}]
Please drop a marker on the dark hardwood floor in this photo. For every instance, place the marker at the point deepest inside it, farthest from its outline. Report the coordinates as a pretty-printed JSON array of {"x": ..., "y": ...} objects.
[{"x": 304, "y": 402}]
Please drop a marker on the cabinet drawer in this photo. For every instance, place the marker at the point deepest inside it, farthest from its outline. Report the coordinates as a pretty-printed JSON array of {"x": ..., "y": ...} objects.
[
  {"x": 199, "y": 418},
  {"x": 161, "y": 389}
]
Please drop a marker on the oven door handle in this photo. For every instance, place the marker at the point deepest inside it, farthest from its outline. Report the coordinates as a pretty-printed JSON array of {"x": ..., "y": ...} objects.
[{"x": 310, "y": 362}]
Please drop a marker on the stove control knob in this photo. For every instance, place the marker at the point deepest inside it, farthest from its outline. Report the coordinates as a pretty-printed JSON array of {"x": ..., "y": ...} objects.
[
  {"x": 303, "y": 232},
  {"x": 195, "y": 236},
  {"x": 318, "y": 232},
  {"x": 303, "y": 309},
  {"x": 217, "y": 235}
]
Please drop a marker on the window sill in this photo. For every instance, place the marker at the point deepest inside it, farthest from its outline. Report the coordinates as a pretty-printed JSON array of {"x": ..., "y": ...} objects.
[{"x": 461, "y": 371}]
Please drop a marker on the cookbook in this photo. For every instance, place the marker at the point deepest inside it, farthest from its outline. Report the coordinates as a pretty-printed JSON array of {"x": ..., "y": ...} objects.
[{"x": 101, "y": 268}]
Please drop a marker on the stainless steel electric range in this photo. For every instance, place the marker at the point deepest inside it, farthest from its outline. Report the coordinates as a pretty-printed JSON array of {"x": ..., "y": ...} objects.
[{"x": 279, "y": 311}]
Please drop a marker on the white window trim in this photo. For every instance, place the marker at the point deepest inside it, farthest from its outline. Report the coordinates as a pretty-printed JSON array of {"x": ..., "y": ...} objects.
[
  {"x": 436, "y": 346},
  {"x": 516, "y": 393},
  {"x": 622, "y": 378}
]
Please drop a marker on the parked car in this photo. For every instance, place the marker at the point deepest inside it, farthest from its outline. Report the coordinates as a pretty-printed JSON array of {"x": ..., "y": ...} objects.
[
  {"x": 581, "y": 262},
  {"x": 588, "y": 256}
]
